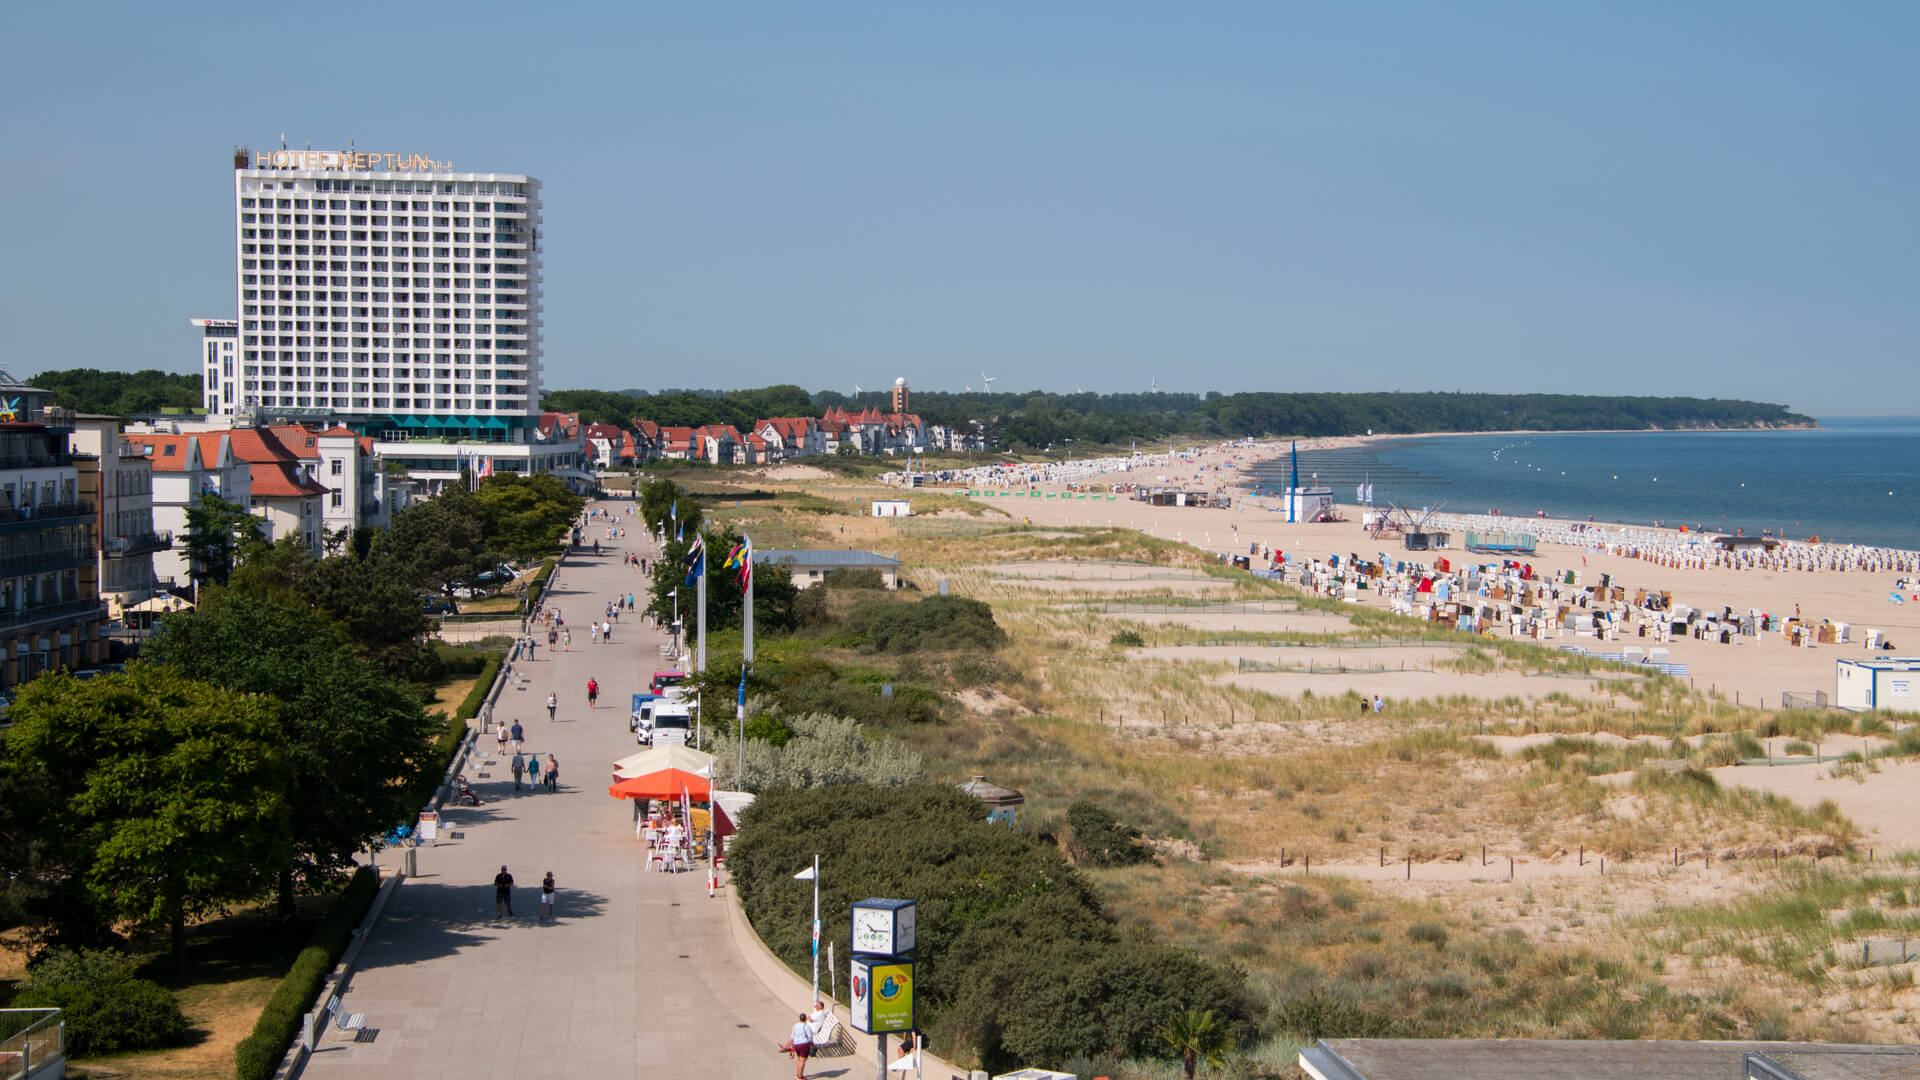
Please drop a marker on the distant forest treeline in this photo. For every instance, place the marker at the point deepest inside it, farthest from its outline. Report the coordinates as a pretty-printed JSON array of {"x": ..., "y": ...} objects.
[
  {"x": 1036, "y": 420},
  {"x": 119, "y": 393}
]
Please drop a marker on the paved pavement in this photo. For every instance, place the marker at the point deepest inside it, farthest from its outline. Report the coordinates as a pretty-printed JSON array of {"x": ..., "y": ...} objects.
[{"x": 637, "y": 974}]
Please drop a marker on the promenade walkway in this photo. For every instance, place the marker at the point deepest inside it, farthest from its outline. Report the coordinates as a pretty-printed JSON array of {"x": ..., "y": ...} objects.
[{"x": 637, "y": 975}]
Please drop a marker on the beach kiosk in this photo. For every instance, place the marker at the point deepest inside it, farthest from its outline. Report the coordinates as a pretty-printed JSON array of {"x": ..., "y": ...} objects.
[
  {"x": 1001, "y": 801},
  {"x": 1891, "y": 684}
]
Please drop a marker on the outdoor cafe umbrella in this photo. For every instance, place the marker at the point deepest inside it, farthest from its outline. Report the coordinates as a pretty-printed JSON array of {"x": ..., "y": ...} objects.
[{"x": 662, "y": 784}]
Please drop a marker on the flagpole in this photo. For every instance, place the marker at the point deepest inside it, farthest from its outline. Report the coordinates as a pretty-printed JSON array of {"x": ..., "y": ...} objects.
[
  {"x": 816, "y": 934},
  {"x": 746, "y": 661},
  {"x": 700, "y": 592}
]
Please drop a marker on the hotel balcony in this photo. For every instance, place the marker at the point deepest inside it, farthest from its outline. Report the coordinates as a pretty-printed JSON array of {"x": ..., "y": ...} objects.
[
  {"x": 13, "y": 620},
  {"x": 45, "y": 512},
  {"x": 140, "y": 544}
]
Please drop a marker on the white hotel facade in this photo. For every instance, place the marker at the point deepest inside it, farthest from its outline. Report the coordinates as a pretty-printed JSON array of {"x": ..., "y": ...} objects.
[{"x": 395, "y": 296}]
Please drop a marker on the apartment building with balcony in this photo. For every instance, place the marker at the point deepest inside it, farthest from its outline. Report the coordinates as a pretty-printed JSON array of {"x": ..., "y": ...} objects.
[
  {"x": 50, "y": 610},
  {"x": 185, "y": 467},
  {"x": 117, "y": 477}
]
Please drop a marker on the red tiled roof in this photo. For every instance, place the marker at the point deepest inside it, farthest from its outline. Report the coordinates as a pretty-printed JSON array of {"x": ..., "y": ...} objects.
[
  {"x": 278, "y": 480},
  {"x": 162, "y": 461},
  {"x": 296, "y": 440},
  {"x": 338, "y": 430}
]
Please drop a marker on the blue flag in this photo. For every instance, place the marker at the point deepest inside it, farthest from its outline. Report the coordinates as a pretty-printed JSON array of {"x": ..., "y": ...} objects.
[{"x": 696, "y": 559}]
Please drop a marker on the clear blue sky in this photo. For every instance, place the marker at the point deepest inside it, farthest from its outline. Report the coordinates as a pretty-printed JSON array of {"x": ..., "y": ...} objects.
[{"x": 1699, "y": 198}]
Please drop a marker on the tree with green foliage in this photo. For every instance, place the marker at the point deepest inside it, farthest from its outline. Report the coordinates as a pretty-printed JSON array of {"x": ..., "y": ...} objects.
[
  {"x": 438, "y": 544},
  {"x": 1195, "y": 1036},
  {"x": 527, "y": 517},
  {"x": 353, "y": 738},
  {"x": 668, "y": 509},
  {"x": 774, "y": 594},
  {"x": 375, "y": 604},
  {"x": 166, "y": 797},
  {"x": 217, "y": 531},
  {"x": 121, "y": 393}
]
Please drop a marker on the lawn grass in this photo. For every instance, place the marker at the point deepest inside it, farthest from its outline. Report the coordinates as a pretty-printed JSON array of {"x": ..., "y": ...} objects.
[{"x": 235, "y": 962}]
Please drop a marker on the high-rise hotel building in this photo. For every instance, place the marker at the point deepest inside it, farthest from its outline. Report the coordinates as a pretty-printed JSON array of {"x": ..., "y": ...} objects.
[{"x": 387, "y": 290}]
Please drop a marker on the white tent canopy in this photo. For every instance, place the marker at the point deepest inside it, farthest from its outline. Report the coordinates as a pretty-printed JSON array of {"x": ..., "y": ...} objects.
[
  {"x": 161, "y": 604},
  {"x": 663, "y": 757}
]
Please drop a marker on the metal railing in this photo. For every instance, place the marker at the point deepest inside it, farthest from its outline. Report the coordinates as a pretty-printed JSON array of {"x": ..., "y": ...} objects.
[
  {"x": 64, "y": 609},
  {"x": 46, "y": 511},
  {"x": 154, "y": 540},
  {"x": 38, "y": 1039}
]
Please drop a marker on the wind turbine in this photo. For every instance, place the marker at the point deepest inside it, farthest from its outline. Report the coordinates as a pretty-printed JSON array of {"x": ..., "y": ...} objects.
[
  {"x": 1154, "y": 387},
  {"x": 857, "y": 391},
  {"x": 986, "y": 381}
]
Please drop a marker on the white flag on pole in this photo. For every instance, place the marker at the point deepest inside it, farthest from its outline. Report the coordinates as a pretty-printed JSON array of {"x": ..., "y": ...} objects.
[{"x": 804, "y": 875}]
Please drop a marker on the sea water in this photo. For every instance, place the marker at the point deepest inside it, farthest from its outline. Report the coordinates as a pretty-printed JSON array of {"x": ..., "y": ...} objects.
[{"x": 1852, "y": 480}]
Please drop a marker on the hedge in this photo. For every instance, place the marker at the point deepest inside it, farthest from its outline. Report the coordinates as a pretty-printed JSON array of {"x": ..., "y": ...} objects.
[
  {"x": 539, "y": 585},
  {"x": 447, "y": 743},
  {"x": 259, "y": 1054}
]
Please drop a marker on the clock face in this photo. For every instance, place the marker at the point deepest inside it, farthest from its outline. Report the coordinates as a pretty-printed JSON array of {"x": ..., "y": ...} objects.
[
  {"x": 905, "y": 944},
  {"x": 872, "y": 930}
]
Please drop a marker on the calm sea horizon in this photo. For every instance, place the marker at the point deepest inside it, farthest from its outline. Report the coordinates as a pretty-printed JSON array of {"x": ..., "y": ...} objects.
[{"x": 1852, "y": 480}]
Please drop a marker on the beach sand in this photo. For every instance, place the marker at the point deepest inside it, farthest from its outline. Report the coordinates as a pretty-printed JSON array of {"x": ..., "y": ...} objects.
[{"x": 1757, "y": 671}]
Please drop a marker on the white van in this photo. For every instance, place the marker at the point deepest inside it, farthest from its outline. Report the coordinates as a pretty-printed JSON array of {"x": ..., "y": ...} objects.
[{"x": 672, "y": 724}]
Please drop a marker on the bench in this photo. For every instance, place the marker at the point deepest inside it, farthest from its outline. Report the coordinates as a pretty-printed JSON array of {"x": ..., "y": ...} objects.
[{"x": 343, "y": 1020}]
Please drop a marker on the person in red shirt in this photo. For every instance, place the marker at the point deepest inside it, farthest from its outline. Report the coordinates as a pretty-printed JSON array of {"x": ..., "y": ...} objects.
[{"x": 593, "y": 692}]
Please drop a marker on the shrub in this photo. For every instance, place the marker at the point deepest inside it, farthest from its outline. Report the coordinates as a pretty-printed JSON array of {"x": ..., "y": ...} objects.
[
  {"x": 539, "y": 584},
  {"x": 937, "y": 622},
  {"x": 820, "y": 751},
  {"x": 1328, "y": 1013},
  {"x": 106, "y": 1009},
  {"x": 258, "y": 1055},
  {"x": 1029, "y": 966},
  {"x": 1427, "y": 933},
  {"x": 851, "y": 577},
  {"x": 1126, "y": 639},
  {"x": 1099, "y": 839}
]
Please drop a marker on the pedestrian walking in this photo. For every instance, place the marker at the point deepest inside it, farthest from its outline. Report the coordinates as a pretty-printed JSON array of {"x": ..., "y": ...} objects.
[
  {"x": 593, "y": 692},
  {"x": 1377, "y": 703},
  {"x": 503, "y": 738},
  {"x": 566, "y": 640},
  {"x": 553, "y": 637},
  {"x": 800, "y": 1045},
  {"x": 553, "y": 773},
  {"x": 606, "y": 632},
  {"x": 519, "y": 769},
  {"x": 533, "y": 644},
  {"x": 553, "y": 705},
  {"x": 593, "y": 633},
  {"x": 533, "y": 771},
  {"x": 519, "y": 736},
  {"x": 503, "y": 893},
  {"x": 546, "y": 896}
]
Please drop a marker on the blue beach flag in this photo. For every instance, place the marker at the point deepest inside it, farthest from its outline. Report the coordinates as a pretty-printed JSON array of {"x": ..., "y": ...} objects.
[{"x": 696, "y": 559}]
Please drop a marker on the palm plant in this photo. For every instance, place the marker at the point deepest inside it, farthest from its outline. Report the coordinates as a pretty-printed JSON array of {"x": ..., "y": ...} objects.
[{"x": 1196, "y": 1036}]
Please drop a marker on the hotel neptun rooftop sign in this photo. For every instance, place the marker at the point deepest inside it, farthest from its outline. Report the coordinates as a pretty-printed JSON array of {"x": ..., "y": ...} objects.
[{"x": 340, "y": 161}]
